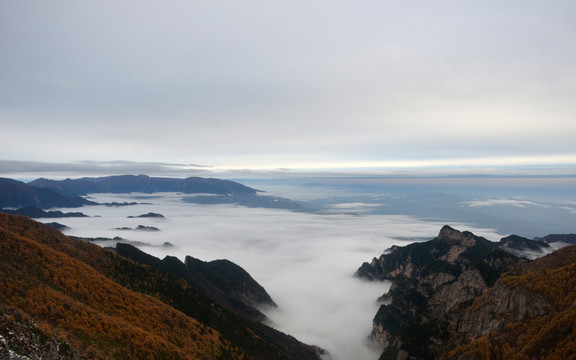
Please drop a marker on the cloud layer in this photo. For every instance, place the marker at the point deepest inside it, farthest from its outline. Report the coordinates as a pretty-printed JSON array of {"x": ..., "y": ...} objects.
[
  {"x": 287, "y": 83},
  {"x": 305, "y": 261}
]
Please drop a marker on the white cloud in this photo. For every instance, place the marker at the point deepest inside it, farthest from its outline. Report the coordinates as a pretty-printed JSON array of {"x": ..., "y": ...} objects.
[
  {"x": 571, "y": 210},
  {"x": 305, "y": 261},
  {"x": 507, "y": 202},
  {"x": 356, "y": 207}
]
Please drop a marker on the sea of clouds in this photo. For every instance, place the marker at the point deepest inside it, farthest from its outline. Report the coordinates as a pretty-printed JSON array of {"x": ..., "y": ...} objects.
[{"x": 305, "y": 261}]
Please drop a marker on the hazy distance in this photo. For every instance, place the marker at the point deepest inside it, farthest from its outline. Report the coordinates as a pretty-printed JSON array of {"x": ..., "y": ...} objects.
[{"x": 306, "y": 260}]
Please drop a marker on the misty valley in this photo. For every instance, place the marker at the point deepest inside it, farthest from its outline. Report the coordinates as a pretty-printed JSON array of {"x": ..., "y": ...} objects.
[
  {"x": 287, "y": 269},
  {"x": 288, "y": 180}
]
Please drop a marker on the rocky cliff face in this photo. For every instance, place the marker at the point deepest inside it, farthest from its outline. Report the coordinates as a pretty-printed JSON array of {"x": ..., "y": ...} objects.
[
  {"x": 432, "y": 282},
  {"x": 460, "y": 296},
  {"x": 529, "y": 313},
  {"x": 503, "y": 305},
  {"x": 20, "y": 339}
]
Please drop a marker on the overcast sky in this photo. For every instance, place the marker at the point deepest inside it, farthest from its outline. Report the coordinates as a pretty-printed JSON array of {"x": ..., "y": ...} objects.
[{"x": 288, "y": 84}]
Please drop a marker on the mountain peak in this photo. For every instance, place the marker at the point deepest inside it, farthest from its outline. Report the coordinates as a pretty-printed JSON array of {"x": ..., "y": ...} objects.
[{"x": 452, "y": 236}]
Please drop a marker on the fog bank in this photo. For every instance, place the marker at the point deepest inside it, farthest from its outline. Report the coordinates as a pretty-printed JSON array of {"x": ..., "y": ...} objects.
[{"x": 305, "y": 261}]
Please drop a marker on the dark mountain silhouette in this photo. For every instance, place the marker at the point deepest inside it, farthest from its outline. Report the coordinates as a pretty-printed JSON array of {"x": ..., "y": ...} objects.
[
  {"x": 223, "y": 281},
  {"x": 139, "y": 228},
  {"x": 35, "y": 213},
  {"x": 89, "y": 302},
  {"x": 143, "y": 184},
  {"x": 16, "y": 194},
  {"x": 219, "y": 191},
  {"x": 520, "y": 243},
  {"x": 559, "y": 238},
  {"x": 148, "y": 215}
]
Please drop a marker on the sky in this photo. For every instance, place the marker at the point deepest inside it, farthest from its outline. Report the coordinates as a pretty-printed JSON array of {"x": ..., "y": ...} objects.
[{"x": 199, "y": 86}]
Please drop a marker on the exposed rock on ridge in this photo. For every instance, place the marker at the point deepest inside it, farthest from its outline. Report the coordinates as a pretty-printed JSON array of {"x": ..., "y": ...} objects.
[
  {"x": 459, "y": 296},
  {"x": 22, "y": 340},
  {"x": 529, "y": 314},
  {"x": 432, "y": 281}
]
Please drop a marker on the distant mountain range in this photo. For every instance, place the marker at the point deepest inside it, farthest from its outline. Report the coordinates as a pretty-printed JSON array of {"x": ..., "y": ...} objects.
[
  {"x": 460, "y": 296},
  {"x": 68, "y": 299},
  {"x": 17, "y": 194},
  {"x": 44, "y": 194},
  {"x": 143, "y": 184}
]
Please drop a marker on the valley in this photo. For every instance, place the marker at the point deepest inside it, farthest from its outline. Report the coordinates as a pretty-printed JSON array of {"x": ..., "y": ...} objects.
[{"x": 306, "y": 260}]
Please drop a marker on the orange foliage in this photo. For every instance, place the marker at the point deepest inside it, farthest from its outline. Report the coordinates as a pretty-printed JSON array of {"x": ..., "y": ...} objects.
[
  {"x": 549, "y": 337},
  {"x": 98, "y": 316}
]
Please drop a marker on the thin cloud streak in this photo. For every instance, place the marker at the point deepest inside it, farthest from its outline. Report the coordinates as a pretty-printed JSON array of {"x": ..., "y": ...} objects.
[
  {"x": 508, "y": 202},
  {"x": 33, "y": 169},
  {"x": 518, "y": 161},
  {"x": 519, "y": 167}
]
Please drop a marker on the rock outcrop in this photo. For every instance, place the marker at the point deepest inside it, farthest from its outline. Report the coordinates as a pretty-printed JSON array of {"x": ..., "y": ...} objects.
[
  {"x": 431, "y": 283},
  {"x": 20, "y": 339},
  {"x": 530, "y": 313},
  {"x": 460, "y": 296}
]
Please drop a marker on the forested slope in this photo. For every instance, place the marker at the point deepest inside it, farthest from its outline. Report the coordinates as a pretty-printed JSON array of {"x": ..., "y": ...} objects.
[{"x": 106, "y": 306}]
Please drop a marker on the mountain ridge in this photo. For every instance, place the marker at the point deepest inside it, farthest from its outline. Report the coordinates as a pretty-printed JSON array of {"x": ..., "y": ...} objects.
[
  {"x": 211, "y": 278},
  {"x": 17, "y": 194},
  {"x": 142, "y": 184},
  {"x": 67, "y": 287},
  {"x": 452, "y": 296},
  {"x": 207, "y": 191}
]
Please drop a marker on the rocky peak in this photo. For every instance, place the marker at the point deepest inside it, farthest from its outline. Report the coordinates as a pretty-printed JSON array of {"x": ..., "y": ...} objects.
[
  {"x": 431, "y": 280},
  {"x": 460, "y": 296},
  {"x": 452, "y": 236},
  {"x": 449, "y": 249}
]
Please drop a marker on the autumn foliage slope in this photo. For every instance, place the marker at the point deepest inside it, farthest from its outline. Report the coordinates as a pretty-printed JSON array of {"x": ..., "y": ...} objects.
[
  {"x": 106, "y": 306},
  {"x": 547, "y": 330}
]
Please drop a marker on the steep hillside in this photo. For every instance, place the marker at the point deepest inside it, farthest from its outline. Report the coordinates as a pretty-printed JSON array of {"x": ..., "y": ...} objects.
[
  {"x": 460, "y": 296},
  {"x": 99, "y": 317},
  {"x": 95, "y": 300},
  {"x": 529, "y": 314},
  {"x": 223, "y": 281}
]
